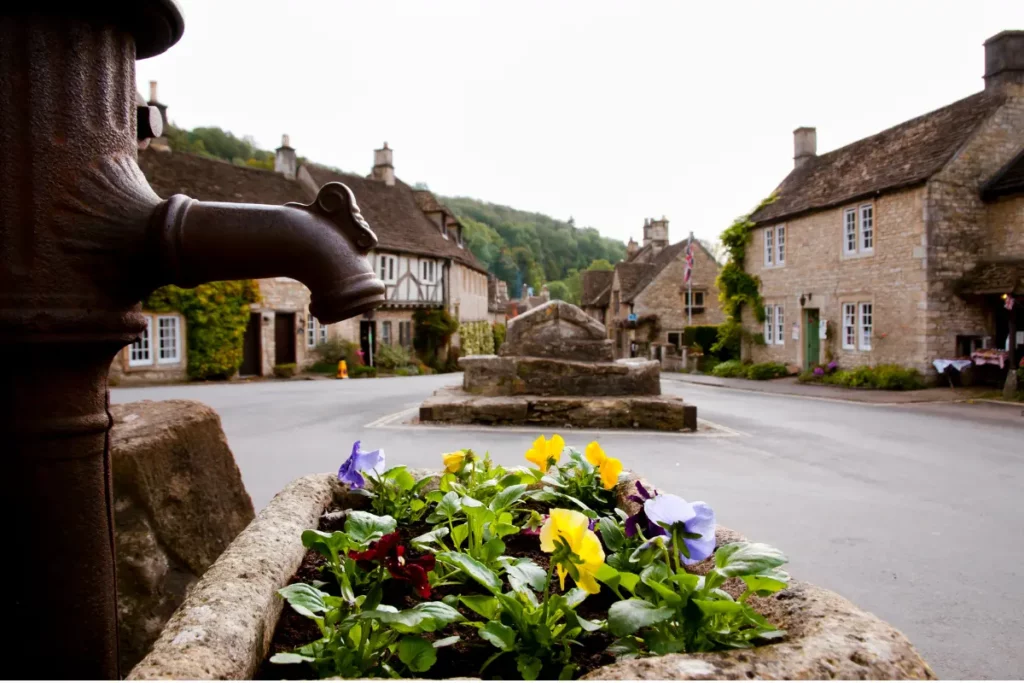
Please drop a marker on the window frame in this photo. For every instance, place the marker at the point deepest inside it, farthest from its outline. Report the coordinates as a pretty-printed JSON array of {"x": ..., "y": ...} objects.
[
  {"x": 176, "y": 338},
  {"x": 677, "y": 333},
  {"x": 147, "y": 338},
  {"x": 769, "y": 324},
  {"x": 385, "y": 332},
  {"x": 386, "y": 267},
  {"x": 780, "y": 324},
  {"x": 769, "y": 247},
  {"x": 861, "y": 247},
  {"x": 862, "y": 327},
  {"x": 698, "y": 299},
  {"x": 850, "y": 309},
  {"x": 847, "y": 233},
  {"x": 780, "y": 245}
]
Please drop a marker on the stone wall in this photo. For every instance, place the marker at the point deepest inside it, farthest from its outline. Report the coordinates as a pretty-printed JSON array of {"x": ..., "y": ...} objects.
[
  {"x": 1005, "y": 228},
  {"x": 665, "y": 296},
  {"x": 123, "y": 372},
  {"x": 284, "y": 295},
  {"x": 467, "y": 293},
  {"x": 892, "y": 279},
  {"x": 178, "y": 502}
]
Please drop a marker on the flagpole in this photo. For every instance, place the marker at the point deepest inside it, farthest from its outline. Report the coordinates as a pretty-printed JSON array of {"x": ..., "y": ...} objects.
[{"x": 689, "y": 287}]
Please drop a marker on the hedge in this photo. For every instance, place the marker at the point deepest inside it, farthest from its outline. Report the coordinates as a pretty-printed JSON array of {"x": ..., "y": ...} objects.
[{"x": 476, "y": 338}]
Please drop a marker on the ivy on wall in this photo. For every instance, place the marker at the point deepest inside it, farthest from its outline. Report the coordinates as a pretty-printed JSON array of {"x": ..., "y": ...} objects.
[
  {"x": 736, "y": 287},
  {"x": 216, "y": 316},
  {"x": 476, "y": 338},
  {"x": 432, "y": 330}
]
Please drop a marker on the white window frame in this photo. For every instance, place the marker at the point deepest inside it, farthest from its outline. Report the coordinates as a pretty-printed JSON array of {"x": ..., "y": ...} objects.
[
  {"x": 322, "y": 331},
  {"x": 427, "y": 272},
  {"x": 849, "y": 326},
  {"x": 698, "y": 299},
  {"x": 769, "y": 324},
  {"x": 850, "y": 231},
  {"x": 141, "y": 351},
  {"x": 769, "y": 247},
  {"x": 780, "y": 245},
  {"x": 385, "y": 333},
  {"x": 386, "y": 267},
  {"x": 175, "y": 337},
  {"x": 780, "y": 324},
  {"x": 310, "y": 331},
  {"x": 865, "y": 324},
  {"x": 866, "y": 228}
]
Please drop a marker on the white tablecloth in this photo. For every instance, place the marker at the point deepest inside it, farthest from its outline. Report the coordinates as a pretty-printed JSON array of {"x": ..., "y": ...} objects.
[{"x": 942, "y": 363}]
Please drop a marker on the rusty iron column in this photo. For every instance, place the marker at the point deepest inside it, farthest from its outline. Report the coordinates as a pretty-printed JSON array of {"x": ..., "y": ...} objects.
[{"x": 83, "y": 238}]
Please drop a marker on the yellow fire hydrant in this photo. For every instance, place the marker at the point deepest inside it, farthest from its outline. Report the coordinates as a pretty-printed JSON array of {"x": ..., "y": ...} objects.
[{"x": 342, "y": 370}]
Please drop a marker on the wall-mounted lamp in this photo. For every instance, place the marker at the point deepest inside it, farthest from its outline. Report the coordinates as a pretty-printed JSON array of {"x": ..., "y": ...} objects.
[{"x": 802, "y": 300}]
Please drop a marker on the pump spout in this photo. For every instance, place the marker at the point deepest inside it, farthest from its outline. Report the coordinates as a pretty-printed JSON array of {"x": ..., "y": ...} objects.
[{"x": 323, "y": 245}]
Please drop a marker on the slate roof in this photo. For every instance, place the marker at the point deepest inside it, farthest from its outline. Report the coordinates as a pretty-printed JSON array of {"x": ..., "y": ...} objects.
[
  {"x": 629, "y": 275},
  {"x": 394, "y": 214},
  {"x": 902, "y": 156},
  {"x": 1009, "y": 180},
  {"x": 994, "y": 277},
  {"x": 597, "y": 285}
]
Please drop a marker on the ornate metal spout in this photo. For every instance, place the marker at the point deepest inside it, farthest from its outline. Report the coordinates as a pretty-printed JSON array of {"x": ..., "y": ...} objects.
[{"x": 83, "y": 238}]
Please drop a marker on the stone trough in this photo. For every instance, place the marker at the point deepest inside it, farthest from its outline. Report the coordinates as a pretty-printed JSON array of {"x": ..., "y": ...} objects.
[
  {"x": 557, "y": 368},
  {"x": 224, "y": 628}
]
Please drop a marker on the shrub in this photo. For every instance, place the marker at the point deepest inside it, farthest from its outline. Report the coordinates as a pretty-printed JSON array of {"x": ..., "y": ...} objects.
[
  {"x": 498, "y": 330},
  {"x": 706, "y": 336},
  {"x": 476, "y": 338},
  {"x": 424, "y": 369},
  {"x": 897, "y": 378},
  {"x": 889, "y": 377},
  {"x": 432, "y": 330},
  {"x": 390, "y": 357},
  {"x": 322, "y": 367},
  {"x": 730, "y": 368},
  {"x": 362, "y": 371},
  {"x": 407, "y": 371},
  {"x": 284, "y": 370},
  {"x": 334, "y": 350},
  {"x": 762, "y": 371}
]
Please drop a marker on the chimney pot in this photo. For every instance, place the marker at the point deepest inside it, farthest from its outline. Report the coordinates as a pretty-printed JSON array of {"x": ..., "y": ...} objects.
[
  {"x": 286, "y": 161},
  {"x": 285, "y": 140},
  {"x": 805, "y": 145},
  {"x": 152, "y": 92},
  {"x": 1004, "y": 60},
  {"x": 383, "y": 165}
]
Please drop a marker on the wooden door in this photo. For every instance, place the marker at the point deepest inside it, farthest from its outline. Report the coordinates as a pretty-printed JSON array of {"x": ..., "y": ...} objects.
[
  {"x": 251, "y": 348},
  {"x": 367, "y": 340},
  {"x": 284, "y": 338},
  {"x": 811, "y": 348}
]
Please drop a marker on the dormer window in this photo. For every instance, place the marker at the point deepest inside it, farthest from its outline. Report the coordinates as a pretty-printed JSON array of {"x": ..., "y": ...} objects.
[{"x": 444, "y": 226}]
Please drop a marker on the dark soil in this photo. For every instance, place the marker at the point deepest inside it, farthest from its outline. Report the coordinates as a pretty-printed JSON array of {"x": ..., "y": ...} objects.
[{"x": 464, "y": 658}]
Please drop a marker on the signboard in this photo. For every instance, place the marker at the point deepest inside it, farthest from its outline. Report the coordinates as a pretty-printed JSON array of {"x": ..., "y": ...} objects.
[
  {"x": 823, "y": 329},
  {"x": 796, "y": 331},
  {"x": 631, "y": 317}
]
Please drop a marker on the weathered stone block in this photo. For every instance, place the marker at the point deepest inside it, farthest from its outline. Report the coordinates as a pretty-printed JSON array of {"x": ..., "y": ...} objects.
[
  {"x": 178, "y": 502},
  {"x": 557, "y": 330},
  {"x": 515, "y": 376}
]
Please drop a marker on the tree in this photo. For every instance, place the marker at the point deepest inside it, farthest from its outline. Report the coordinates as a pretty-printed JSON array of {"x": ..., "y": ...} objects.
[
  {"x": 600, "y": 264},
  {"x": 559, "y": 290}
]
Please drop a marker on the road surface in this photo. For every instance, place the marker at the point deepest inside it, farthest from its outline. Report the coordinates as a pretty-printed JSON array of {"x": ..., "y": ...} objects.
[{"x": 912, "y": 512}]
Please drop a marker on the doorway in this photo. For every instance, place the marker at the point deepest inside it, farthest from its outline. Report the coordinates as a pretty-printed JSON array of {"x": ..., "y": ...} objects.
[
  {"x": 367, "y": 340},
  {"x": 812, "y": 351},
  {"x": 284, "y": 338},
  {"x": 251, "y": 355}
]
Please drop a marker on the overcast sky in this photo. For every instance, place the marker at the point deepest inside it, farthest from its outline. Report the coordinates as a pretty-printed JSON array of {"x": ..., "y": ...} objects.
[{"x": 605, "y": 111}]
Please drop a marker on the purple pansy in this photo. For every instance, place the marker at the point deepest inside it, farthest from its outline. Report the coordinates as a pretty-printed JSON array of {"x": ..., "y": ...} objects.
[
  {"x": 833, "y": 366},
  {"x": 640, "y": 518},
  {"x": 352, "y": 470},
  {"x": 819, "y": 372},
  {"x": 697, "y": 518}
]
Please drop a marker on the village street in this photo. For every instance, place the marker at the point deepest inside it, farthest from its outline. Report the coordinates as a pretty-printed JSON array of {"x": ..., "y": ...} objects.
[{"x": 913, "y": 512}]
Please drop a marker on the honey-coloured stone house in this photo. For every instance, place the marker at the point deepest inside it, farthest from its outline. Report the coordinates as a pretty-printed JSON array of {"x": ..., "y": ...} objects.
[
  {"x": 902, "y": 247},
  {"x": 649, "y": 284}
]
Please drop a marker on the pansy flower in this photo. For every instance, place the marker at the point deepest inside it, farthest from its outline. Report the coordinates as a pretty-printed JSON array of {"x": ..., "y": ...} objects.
[
  {"x": 545, "y": 453},
  {"x": 571, "y": 528},
  {"x": 359, "y": 463},
  {"x": 453, "y": 461},
  {"x": 389, "y": 551},
  {"x": 608, "y": 468},
  {"x": 692, "y": 523},
  {"x": 639, "y": 520}
]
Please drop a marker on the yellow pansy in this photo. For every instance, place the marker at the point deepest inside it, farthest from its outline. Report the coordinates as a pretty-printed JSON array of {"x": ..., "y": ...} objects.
[
  {"x": 544, "y": 453},
  {"x": 608, "y": 468},
  {"x": 453, "y": 461},
  {"x": 572, "y": 528}
]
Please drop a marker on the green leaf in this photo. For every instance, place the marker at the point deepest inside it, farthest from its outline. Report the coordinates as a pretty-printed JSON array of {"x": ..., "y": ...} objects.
[
  {"x": 574, "y": 597},
  {"x": 425, "y": 616},
  {"x": 629, "y": 616},
  {"x": 741, "y": 559},
  {"x": 713, "y": 607},
  {"x": 507, "y": 496},
  {"x": 460, "y": 534},
  {"x": 767, "y": 582},
  {"x": 529, "y": 667},
  {"x": 511, "y": 479},
  {"x": 470, "y": 502},
  {"x": 476, "y": 570},
  {"x": 446, "y": 642},
  {"x": 403, "y": 480},
  {"x": 424, "y": 541},
  {"x": 686, "y": 582},
  {"x": 363, "y": 527},
  {"x": 499, "y": 635},
  {"x": 491, "y": 550},
  {"x": 502, "y": 529},
  {"x": 422, "y": 484},
  {"x": 304, "y": 599},
  {"x": 447, "y": 508},
  {"x": 611, "y": 533},
  {"x": 523, "y": 573},
  {"x": 416, "y": 653},
  {"x": 324, "y": 543},
  {"x": 484, "y": 605},
  {"x": 660, "y": 644},
  {"x": 416, "y": 504},
  {"x": 290, "y": 658}
]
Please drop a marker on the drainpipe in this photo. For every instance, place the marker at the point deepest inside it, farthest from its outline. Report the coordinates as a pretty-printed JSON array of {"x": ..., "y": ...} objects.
[{"x": 83, "y": 239}]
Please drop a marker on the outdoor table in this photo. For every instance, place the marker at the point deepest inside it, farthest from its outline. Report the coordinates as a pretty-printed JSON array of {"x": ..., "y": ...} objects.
[
  {"x": 942, "y": 365},
  {"x": 990, "y": 357}
]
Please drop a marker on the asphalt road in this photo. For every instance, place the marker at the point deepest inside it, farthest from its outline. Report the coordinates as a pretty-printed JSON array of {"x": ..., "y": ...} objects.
[{"x": 912, "y": 512}]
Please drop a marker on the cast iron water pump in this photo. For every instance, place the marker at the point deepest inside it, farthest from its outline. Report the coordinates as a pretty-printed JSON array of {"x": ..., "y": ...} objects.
[{"x": 83, "y": 239}]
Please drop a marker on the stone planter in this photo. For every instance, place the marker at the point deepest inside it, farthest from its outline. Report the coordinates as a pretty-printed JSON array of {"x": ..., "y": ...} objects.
[{"x": 224, "y": 628}]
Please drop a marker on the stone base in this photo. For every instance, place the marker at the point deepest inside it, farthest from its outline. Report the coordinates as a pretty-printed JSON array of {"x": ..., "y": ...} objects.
[
  {"x": 527, "y": 375},
  {"x": 662, "y": 413}
]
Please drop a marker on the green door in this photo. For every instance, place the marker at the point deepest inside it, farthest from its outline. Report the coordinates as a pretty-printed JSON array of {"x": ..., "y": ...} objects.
[{"x": 811, "y": 352}]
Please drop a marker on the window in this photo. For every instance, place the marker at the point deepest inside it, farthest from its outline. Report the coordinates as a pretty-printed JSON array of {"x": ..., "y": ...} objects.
[
  {"x": 849, "y": 326},
  {"x": 405, "y": 333},
  {"x": 850, "y": 231},
  {"x": 141, "y": 352},
  {"x": 780, "y": 336},
  {"x": 775, "y": 246},
  {"x": 769, "y": 325},
  {"x": 698, "y": 300},
  {"x": 769, "y": 251},
  {"x": 385, "y": 333},
  {"x": 386, "y": 266},
  {"x": 675, "y": 339},
  {"x": 867, "y": 227},
  {"x": 168, "y": 339},
  {"x": 323, "y": 331},
  {"x": 866, "y": 319},
  {"x": 310, "y": 331},
  {"x": 427, "y": 271},
  {"x": 780, "y": 245}
]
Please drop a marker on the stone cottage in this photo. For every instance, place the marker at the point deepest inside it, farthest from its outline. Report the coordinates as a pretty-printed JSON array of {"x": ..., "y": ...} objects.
[
  {"x": 421, "y": 257},
  {"x": 903, "y": 247},
  {"x": 644, "y": 302}
]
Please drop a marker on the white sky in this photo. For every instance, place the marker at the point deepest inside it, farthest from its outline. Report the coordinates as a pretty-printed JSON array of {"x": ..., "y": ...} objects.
[{"x": 606, "y": 111}]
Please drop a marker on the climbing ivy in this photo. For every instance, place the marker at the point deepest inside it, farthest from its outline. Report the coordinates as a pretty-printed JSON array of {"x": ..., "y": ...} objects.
[
  {"x": 432, "y": 330},
  {"x": 476, "y": 338},
  {"x": 216, "y": 315},
  {"x": 736, "y": 287}
]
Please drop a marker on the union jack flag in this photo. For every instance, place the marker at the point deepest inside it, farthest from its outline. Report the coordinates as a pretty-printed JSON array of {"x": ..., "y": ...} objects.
[
  {"x": 689, "y": 262},
  {"x": 1009, "y": 303}
]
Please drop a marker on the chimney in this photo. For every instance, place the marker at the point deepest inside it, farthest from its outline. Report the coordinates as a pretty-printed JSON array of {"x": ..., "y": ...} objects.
[
  {"x": 805, "y": 145},
  {"x": 631, "y": 248},
  {"x": 1004, "y": 60},
  {"x": 159, "y": 143},
  {"x": 656, "y": 233},
  {"x": 383, "y": 166},
  {"x": 285, "y": 160}
]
